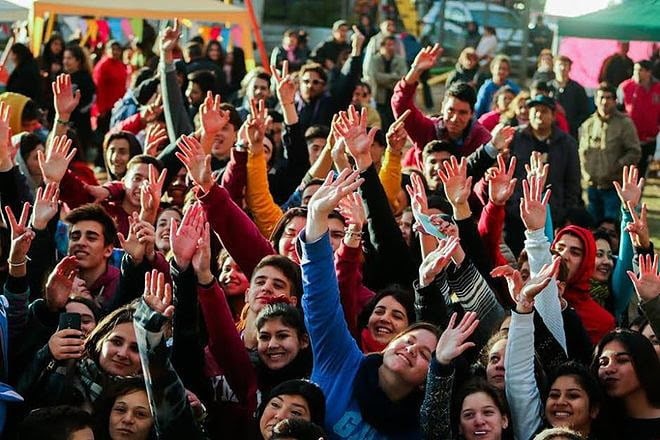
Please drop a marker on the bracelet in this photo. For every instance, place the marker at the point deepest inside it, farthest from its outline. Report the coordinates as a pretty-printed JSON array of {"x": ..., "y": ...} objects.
[
  {"x": 22, "y": 263},
  {"x": 288, "y": 103},
  {"x": 61, "y": 122},
  {"x": 352, "y": 234}
]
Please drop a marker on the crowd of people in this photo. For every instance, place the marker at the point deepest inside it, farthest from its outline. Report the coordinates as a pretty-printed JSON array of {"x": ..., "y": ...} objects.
[{"x": 301, "y": 252}]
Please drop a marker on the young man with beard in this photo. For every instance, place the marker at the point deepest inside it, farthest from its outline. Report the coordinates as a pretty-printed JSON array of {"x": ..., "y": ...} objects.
[
  {"x": 556, "y": 148},
  {"x": 455, "y": 125}
]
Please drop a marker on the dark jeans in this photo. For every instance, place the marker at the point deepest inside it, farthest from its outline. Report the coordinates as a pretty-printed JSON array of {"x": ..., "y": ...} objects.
[{"x": 603, "y": 203}]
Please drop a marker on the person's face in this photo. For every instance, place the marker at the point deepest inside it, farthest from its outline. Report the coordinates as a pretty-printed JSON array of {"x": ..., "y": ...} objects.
[
  {"x": 504, "y": 100},
  {"x": 376, "y": 152},
  {"x": 70, "y": 63},
  {"x": 571, "y": 250},
  {"x": 522, "y": 112},
  {"x": 163, "y": 229},
  {"x": 267, "y": 283},
  {"x": 117, "y": 155},
  {"x": 471, "y": 61},
  {"x": 500, "y": 71},
  {"x": 336, "y": 229},
  {"x": 87, "y": 320},
  {"x": 286, "y": 245},
  {"x": 405, "y": 225},
  {"x": 611, "y": 230},
  {"x": 268, "y": 149},
  {"x": 605, "y": 103},
  {"x": 82, "y": 434},
  {"x": 233, "y": 280},
  {"x": 278, "y": 345},
  {"x": 116, "y": 52},
  {"x": 616, "y": 371},
  {"x": 388, "y": 319},
  {"x": 87, "y": 245},
  {"x": 481, "y": 418},
  {"x": 223, "y": 141},
  {"x": 640, "y": 74},
  {"x": 495, "y": 366},
  {"x": 311, "y": 85},
  {"x": 133, "y": 182},
  {"x": 258, "y": 89},
  {"x": 524, "y": 271},
  {"x": 280, "y": 408},
  {"x": 432, "y": 164},
  {"x": 56, "y": 47},
  {"x": 389, "y": 49},
  {"x": 604, "y": 263},
  {"x": 562, "y": 69},
  {"x": 341, "y": 34},
  {"x": 541, "y": 117},
  {"x": 308, "y": 193},
  {"x": 314, "y": 148},
  {"x": 408, "y": 356},
  {"x": 214, "y": 52},
  {"x": 194, "y": 94},
  {"x": 178, "y": 188},
  {"x": 624, "y": 46},
  {"x": 568, "y": 405},
  {"x": 546, "y": 60},
  {"x": 388, "y": 27},
  {"x": 506, "y": 324},
  {"x": 119, "y": 352},
  {"x": 32, "y": 162},
  {"x": 130, "y": 417},
  {"x": 361, "y": 96},
  {"x": 648, "y": 332},
  {"x": 275, "y": 131},
  {"x": 457, "y": 115}
]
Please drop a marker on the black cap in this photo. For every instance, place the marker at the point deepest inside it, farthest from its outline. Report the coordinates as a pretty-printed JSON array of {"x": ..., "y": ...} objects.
[{"x": 541, "y": 100}]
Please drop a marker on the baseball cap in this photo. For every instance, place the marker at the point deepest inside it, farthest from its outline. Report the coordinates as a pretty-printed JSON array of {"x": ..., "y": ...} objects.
[{"x": 541, "y": 100}]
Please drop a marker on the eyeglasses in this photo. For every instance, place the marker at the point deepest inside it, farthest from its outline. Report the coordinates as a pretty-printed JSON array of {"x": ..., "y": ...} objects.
[{"x": 314, "y": 82}]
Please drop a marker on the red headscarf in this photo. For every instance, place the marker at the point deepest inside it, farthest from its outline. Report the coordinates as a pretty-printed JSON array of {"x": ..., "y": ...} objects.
[{"x": 596, "y": 320}]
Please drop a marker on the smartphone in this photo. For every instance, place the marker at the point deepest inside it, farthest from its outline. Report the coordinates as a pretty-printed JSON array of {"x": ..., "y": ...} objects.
[
  {"x": 69, "y": 320},
  {"x": 425, "y": 221}
]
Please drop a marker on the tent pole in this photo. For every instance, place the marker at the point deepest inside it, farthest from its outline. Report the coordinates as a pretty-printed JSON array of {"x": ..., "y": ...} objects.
[{"x": 257, "y": 35}]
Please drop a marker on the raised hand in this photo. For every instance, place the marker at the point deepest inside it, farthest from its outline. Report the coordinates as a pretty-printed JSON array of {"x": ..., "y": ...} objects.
[
  {"x": 352, "y": 127},
  {"x": 54, "y": 165},
  {"x": 437, "y": 260},
  {"x": 351, "y": 208},
  {"x": 197, "y": 163},
  {"x": 67, "y": 343},
  {"x": 501, "y": 182},
  {"x": 647, "y": 283},
  {"x": 639, "y": 227},
  {"x": 513, "y": 279},
  {"x": 502, "y": 137},
  {"x": 169, "y": 38},
  {"x": 158, "y": 294},
  {"x": 212, "y": 117},
  {"x": 132, "y": 244},
  {"x": 357, "y": 41},
  {"x": 284, "y": 84},
  {"x": 45, "y": 205},
  {"x": 452, "y": 342},
  {"x": 455, "y": 181},
  {"x": 64, "y": 98},
  {"x": 150, "y": 112},
  {"x": 156, "y": 136},
  {"x": 60, "y": 283},
  {"x": 532, "y": 206},
  {"x": 6, "y": 157},
  {"x": 524, "y": 298},
  {"x": 397, "y": 135},
  {"x": 257, "y": 123},
  {"x": 201, "y": 259},
  {"x": 427, "y": 58},
  {"x": 150, "y": 194},
  {"x": 326, "y": 198},
  {"x": 418, "y": 200},
  {"x": 537, "y": 168},
  {"x": 21, "y": 238},
  {"x": 184, "y": 238},
  {"x": 630, "y": 188}
]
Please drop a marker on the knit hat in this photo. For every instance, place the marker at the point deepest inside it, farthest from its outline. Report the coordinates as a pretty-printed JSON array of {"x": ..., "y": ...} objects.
[{"x": 305, "y": 389}]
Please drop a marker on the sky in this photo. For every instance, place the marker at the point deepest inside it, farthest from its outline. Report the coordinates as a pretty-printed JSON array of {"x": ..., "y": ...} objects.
[{"x": 572, "y": 8}]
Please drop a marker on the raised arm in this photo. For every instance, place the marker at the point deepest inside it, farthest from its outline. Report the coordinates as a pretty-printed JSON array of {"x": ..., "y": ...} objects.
[{"x": 390, "y": 172}]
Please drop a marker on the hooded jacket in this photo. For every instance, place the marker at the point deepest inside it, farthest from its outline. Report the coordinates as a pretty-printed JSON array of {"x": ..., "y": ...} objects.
[
  {"x": 596, "y": 320},
  {"x": 16, "y": 102}
]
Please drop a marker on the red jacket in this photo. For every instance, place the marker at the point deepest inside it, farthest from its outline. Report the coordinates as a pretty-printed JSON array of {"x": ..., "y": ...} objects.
[
  {"x": 596, "y": 320},
  {"x": 643, "y": 107},
  {"x": 110, "y": 77},
  {"x": 491, "y": 225},
  {"x": 353, "y": 294},
  {"x": 422, "y": 129}
]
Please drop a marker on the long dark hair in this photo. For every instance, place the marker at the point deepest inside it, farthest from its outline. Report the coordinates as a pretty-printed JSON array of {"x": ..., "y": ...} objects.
[
  {"x": 134, "y": 148},
  {"x": 47, "y": 56},
  {"x": 23, "y": 54},
  {"x": 79, "y": 54},
  {"x": 480, "y": 385},
  {"x": 103, "y": 406},
  {"x": 404, "y": 297}
]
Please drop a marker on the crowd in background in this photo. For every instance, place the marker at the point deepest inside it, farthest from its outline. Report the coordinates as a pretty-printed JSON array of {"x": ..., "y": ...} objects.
[{"x": 194, "y": 250}]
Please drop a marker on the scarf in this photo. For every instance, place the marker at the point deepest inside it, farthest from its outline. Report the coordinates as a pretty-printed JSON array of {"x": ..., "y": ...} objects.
[
  {"x": 92, "y": 378},
  {"x": 600, "y": 292},
  {"x": 387, "y": 417},
  {"x": 369, "y": 344},
  {"x": 267, "y": 379}
]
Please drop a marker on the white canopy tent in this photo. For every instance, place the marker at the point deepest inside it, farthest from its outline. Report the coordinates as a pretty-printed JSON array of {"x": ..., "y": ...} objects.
[{"x": 10, "y": 11}]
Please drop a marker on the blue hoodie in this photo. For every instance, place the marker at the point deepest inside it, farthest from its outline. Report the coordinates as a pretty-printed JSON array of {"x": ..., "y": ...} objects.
[{"x": 337, "y": 357}]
